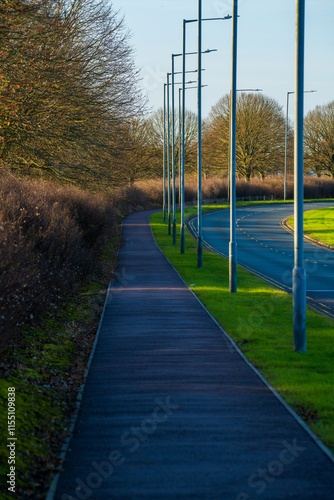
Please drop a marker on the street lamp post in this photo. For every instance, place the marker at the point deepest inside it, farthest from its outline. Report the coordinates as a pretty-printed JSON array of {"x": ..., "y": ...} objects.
[
  {"x": 173, "y": 131},
  {"x": 182, "y": 166},
  {"x": 233, "y": 108},
  {"x": 286, "y": 139},
  {"x": 173, "y": 153},
  {"x": 180, "y": 145},
  {"x": 286, "y": 143},
  {"x": 167, "y": 85},
  {"x": 168, "y": 155},
  {"x": 164, "y": 158},
  {"x": 168, "y": 148},
  {"x": 199, "y": 141},
  {"x": 298, "y": 274},
  {"x": 182, "y": 236},
  {"x": 168, "y": 158},
  {"x": 185, "y": 22}
]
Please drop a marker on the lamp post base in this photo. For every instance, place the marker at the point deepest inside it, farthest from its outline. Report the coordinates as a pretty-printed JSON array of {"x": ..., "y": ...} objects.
[
  {"x": 233, "y": 267},
  {"x": 299, "y": 308},
  {"x": 182, "y": 239},
  {"x": 199, "y": 252},
  {"x": 169, "y": 225},
  {"x": 174, "y": 231}
]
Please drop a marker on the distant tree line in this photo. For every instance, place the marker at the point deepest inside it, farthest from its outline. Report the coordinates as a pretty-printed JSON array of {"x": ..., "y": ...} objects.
[
  {"x": 71, "y": 108},
  {"x": 260, "y": 139},
  {"x": 260, "y": 144},
  {"x": 319, "y": 140},
  {"x": 261, "y": 134}
]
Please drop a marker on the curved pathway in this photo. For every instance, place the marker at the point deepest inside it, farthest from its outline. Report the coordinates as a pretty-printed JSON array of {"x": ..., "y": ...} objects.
[{"x": 172, "y": 411}]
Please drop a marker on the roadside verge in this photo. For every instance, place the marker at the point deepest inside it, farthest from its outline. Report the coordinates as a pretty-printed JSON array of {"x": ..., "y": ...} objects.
[{"x": 287, "y": 226}]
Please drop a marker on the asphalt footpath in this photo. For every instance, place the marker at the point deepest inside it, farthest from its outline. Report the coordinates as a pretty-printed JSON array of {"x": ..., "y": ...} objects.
[{"x": 171, "y": 410}]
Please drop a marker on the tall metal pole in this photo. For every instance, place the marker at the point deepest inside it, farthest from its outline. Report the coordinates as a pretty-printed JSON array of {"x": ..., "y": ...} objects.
[
  {"x": 199, "y": 141},
  {"x": 233, "y": 120},
  {"x": 286, "y": 139},
  {"x": 180, "y": 145},
  {"x": 286, "y": 144},
  {"x": 199, "y": 86},
  {"x": 168, "y": 157},
  {"x": 182, "y": 134},
  {"x": 298, "y": 274},
  {"x": 173, "y": 152},
  {"x": 164, "y": 159}
]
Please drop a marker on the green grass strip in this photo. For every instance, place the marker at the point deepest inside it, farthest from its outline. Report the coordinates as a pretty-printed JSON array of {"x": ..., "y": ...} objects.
[
  {"x": 259, "y": 319},
  {"x": 319, "y": 224}
]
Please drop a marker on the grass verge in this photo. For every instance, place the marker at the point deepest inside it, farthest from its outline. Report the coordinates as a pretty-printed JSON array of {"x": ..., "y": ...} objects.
[
  {"x": 259, "y": 319},
  {"x": 319, "y": 225},
  {"x": 47, "y": 367}
]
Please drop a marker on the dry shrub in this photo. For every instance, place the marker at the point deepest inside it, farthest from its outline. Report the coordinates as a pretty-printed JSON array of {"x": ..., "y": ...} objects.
[
  {"x": 217, "y": 188},
  {"x": 152, "y": 189},
  {"x": 50, "y": 237},
  {"x": 321, "y": 187},
  {"x": 132, "y": 198}
]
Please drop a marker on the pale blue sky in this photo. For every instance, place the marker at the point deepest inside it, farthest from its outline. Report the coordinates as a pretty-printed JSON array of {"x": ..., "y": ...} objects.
[{"x": 266, "y": 47}]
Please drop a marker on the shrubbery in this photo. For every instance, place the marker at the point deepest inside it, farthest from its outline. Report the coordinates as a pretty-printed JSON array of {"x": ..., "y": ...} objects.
[
  {"x": 217, "y": 188},
  {"x": 51, "y": 235},
  {"x": 50, "y": 239}
]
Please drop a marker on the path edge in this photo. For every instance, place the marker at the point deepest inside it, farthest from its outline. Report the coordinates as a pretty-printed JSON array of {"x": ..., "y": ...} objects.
[{"x": 53, "y": 486}]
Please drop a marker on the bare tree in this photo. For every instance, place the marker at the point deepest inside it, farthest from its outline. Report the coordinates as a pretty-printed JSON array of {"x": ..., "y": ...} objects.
[
  {"x": 319, "y": 140},
  {"x": 260, "y": 136},
  {"x": 155, "y": 123},
  {"x": 139, "y": 154},
  {"x": 68, "y": 83}
]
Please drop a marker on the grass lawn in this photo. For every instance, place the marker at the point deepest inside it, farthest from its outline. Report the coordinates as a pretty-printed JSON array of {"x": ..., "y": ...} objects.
[
  {"x": 259, "y": 319},
  {"x": 319, "y": 224}
]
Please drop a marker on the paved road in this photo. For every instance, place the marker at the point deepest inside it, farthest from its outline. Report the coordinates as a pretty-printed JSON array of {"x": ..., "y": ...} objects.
[
  {"x": 172, "y": 411},
  {"x": 266, "y": 249}
]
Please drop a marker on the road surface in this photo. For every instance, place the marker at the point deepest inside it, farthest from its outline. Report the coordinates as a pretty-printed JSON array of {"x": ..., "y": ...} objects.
[{"x": 265, "y": 248}]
